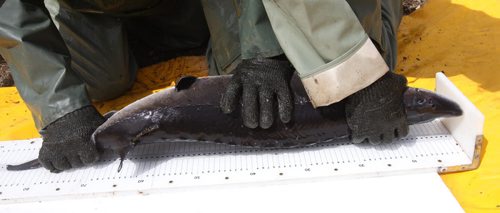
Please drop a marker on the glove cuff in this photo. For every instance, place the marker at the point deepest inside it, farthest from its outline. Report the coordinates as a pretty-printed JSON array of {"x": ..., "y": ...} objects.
[
  {"x": 389, "y": 85},
  {"x": 268, "y": 64},
  {"x": 82, "y": 121}
]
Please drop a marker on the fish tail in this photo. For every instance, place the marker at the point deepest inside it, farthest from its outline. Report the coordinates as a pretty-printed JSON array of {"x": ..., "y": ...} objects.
[{"x": 32, "y": 164}]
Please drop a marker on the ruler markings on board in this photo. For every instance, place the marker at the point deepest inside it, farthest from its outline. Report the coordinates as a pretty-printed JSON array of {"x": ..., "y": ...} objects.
[{"x": 166, "y": 164}]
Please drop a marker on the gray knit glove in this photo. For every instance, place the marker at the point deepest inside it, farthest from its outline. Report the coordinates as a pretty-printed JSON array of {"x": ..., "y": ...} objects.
[
  {"x": 66, "y": 141},
  {"x": 257, "y": 84},
  {"x": 376, "y": 113}
]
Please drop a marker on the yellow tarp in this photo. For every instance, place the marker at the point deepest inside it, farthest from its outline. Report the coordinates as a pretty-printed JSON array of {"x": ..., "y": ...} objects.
[{"x": 459, "y": 37}]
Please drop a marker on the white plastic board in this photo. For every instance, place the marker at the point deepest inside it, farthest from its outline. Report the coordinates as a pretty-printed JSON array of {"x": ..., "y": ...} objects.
[
  {"x": 423, "y": 192},
  {"x": 170, "y": 165},
  {"x": 468, "y": 127}
]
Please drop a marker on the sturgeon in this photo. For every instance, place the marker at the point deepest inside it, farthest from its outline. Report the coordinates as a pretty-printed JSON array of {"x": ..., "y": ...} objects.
[{"x": 190, "y": 112}]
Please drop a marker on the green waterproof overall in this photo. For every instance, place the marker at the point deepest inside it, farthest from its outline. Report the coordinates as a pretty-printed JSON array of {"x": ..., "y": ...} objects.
[{"x": 63, "y": 54}]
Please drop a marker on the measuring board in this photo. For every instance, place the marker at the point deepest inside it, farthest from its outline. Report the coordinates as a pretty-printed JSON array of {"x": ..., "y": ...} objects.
[{"x": 164, "y": 166}]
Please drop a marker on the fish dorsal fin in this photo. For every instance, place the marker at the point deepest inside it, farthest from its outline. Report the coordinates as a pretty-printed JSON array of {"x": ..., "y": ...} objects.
[
  {"x": 108, "y": 115},
  {"x": 184, "y": 82}
]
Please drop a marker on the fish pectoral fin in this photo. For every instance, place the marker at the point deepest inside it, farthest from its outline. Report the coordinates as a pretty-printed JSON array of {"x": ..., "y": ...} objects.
[{"x": 184, "y": 82}]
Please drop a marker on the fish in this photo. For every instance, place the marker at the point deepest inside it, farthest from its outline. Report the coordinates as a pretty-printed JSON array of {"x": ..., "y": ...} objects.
[{"x": 190, "y": 112}]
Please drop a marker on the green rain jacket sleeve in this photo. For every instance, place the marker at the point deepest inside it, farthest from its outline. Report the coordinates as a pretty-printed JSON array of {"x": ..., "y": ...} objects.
[
  {"x": 39, "y": 60},
  {"x": 327, "y": 45}
]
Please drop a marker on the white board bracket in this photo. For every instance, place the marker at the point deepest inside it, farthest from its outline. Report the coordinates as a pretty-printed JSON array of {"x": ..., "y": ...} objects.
[{"x": 466, "y": 129}]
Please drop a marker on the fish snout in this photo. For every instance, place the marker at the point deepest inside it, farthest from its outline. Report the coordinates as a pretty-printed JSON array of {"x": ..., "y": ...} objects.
[
  {"x": 424, "y": 105},
  {"x": 445, "y": 107}
]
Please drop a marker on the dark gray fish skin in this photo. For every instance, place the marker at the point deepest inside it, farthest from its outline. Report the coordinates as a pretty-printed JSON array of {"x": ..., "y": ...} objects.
[{"x": 192, "y": 113}]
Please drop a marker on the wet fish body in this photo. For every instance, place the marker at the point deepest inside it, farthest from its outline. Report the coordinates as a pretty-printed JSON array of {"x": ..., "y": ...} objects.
[{"x": 193, "y": 114}]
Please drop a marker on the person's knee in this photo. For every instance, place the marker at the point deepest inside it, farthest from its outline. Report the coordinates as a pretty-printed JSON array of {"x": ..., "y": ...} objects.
[{"x": 110, "y": 89}]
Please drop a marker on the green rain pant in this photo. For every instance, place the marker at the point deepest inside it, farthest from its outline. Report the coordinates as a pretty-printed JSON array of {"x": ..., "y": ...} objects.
[
  {"x": 62, "y": 58},
  {"x": 238, "y": 30}
]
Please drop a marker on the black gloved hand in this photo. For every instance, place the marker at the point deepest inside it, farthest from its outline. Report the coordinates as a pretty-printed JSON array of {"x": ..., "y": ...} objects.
[
  {"x": 376, "y": 113},
  {"x": 258, "y": 82},
  {"x": 66, "y": 141}
]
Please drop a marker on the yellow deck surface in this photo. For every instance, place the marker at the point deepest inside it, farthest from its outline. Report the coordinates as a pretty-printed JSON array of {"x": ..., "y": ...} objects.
[{"x": 459, "y": 37}]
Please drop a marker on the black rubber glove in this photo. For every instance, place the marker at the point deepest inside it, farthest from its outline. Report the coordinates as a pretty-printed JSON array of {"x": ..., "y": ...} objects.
[
  {"x": 66, "y": 141},
  {"x": 376, "y": 113},
  {"x": 258, "y": 83}
]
